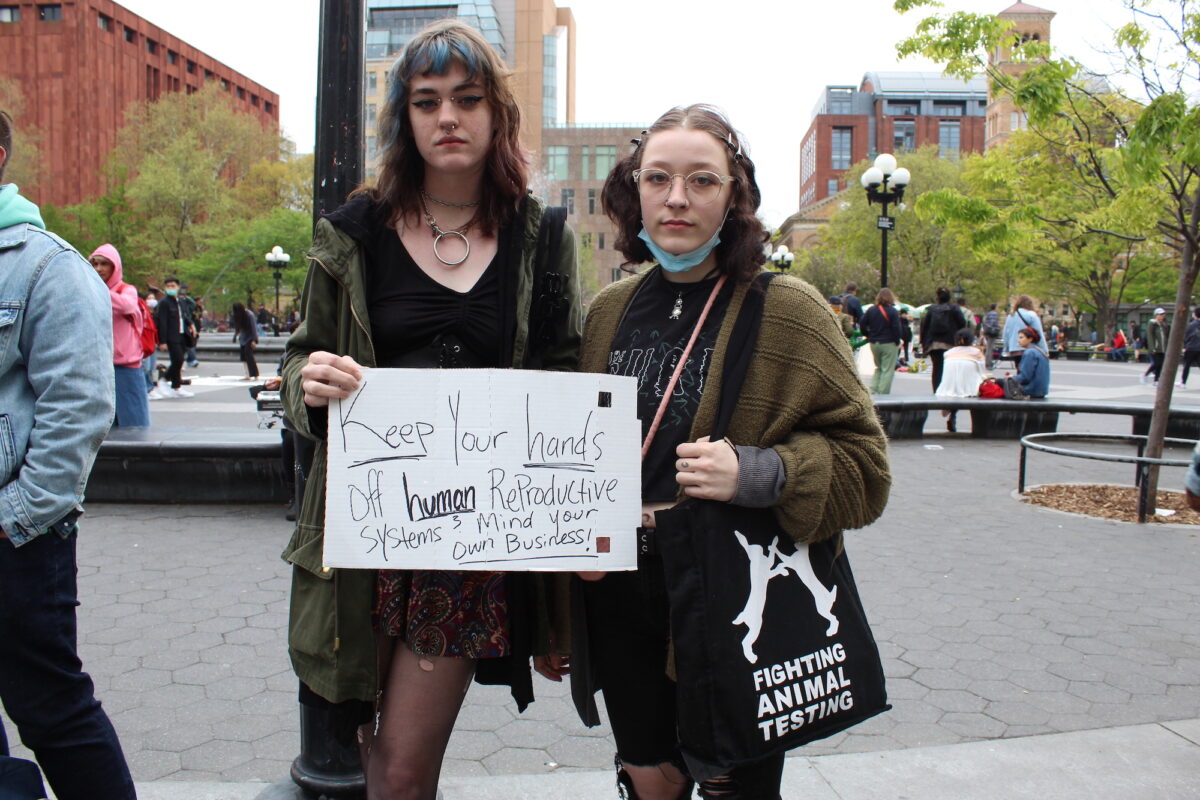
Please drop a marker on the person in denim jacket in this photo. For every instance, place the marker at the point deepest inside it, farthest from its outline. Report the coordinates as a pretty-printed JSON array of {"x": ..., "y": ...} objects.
[{"x": 56, "y": 405}]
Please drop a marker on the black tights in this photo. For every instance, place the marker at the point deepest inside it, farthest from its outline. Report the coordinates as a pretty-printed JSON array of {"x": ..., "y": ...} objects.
[{"x": 629, "y": 627}]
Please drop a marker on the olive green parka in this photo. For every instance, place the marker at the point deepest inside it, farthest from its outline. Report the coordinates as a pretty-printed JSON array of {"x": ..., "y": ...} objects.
[{"x": 330, "y": 636}]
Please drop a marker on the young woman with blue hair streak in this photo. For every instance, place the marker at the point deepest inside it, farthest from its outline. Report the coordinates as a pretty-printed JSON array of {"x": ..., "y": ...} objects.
[{"x": 432, "y": 267}]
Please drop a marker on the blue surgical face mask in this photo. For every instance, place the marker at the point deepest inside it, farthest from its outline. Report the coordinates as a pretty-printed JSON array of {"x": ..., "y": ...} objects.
[{"x": 684, "y": 261}]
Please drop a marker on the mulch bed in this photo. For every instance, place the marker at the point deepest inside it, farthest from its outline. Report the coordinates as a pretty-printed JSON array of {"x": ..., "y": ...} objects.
[{"x": 1109, "y": 502}]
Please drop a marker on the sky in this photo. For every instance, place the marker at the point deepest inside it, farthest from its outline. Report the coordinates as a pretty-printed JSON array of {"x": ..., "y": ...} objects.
[{"x": 765, "y": 62}]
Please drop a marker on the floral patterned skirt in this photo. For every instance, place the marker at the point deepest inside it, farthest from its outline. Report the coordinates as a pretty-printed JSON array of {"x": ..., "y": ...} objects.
[{"x": 455, "y": 614}]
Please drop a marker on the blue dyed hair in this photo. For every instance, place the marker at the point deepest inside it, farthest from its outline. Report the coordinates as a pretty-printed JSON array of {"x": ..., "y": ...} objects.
[{"x": 435, "y": 50}]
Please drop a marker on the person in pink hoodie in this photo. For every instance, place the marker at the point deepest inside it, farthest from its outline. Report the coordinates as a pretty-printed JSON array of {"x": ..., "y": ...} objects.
[{"x": 133, "y": 407}]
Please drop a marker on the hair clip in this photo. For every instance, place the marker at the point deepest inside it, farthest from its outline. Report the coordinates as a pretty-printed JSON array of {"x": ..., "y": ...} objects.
[
  {"x": 735, "y": 147},
  {"x": 636, "y": 142}
]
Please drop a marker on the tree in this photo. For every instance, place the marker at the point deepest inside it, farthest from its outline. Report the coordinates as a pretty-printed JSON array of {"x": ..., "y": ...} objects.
[
  {"x": 922, "y": 253},
  {"x": 231, "y": 267},
  {"x": 184, "y": 154},
  {"x": 1147, "y": 148}
]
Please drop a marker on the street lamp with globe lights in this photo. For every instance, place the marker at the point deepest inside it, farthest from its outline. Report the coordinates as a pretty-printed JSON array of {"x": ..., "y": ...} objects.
[
  {"x": 277, "y": 260},
  {"x": 885, "y": 184},
  {"x": 782, "y": 258}
]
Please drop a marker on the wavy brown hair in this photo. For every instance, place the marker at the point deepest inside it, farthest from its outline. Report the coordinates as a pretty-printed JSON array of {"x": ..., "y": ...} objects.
[
  {"x": 740, "y": 253},
  {"x": 402, "y": 170},
  {"x": 5, "y": 140}
]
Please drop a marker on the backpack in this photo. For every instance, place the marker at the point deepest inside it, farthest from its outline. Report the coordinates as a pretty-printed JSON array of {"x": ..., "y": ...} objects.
[
  {"x": 941, "y": 323},
  {"x": 149, "y": 334}
]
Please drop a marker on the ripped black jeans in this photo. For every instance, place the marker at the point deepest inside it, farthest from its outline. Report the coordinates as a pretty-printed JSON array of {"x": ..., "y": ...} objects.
[{"x": 628, "y": 621}]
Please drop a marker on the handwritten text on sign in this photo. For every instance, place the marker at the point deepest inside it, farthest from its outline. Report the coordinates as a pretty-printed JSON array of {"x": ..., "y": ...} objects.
[{"x": 484, "y": 470}]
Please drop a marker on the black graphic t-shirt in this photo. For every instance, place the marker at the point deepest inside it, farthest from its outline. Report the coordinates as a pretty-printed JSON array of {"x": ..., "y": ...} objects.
[{"x": 648, "y": 345}]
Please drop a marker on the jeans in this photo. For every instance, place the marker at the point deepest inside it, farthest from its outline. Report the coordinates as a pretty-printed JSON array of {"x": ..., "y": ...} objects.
[
  {"x": 175, "y": 370},
  {"x": 1191, "y": 358},
  {"x": 1156, "y": 364},
  {"x": 149, "y": 370},
  {"x": 248, "y": 358},
  {"x": 133, "y": 407},
  {"x": 884, "y": 354},
  {"x": 43, "y": 686}
]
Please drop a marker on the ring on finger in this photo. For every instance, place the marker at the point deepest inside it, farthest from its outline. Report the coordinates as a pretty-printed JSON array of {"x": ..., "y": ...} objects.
[{"x": 683, "y": 465}]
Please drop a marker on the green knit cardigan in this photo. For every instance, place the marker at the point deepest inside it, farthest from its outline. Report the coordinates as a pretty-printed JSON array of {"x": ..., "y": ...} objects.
[{"x": 802, "y": 397}]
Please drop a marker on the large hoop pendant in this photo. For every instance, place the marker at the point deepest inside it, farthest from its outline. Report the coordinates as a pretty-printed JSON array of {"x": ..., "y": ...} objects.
[{"x": 466, "y": 243}]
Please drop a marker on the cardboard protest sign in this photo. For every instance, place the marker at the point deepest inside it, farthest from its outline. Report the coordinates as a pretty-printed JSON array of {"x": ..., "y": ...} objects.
[{"x": 484, "y": 469}]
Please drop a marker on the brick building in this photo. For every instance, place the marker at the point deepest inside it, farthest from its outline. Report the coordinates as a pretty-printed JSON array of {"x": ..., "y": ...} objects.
[
  {"x": 888, "y": 112},
  {"x": 576, "y": 161},
  {"x": 80, "y": 63}
]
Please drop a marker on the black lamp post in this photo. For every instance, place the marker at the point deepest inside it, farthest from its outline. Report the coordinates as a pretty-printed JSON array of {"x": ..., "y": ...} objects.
[
  {"x": 782, "y": 258},
  {"x": 960, "y": 294},
  {"x": 885, "y": 184},
  {"x": 277, "y": 260}
]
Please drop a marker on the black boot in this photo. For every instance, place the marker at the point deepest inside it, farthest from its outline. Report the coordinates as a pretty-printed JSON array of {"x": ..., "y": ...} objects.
[{"x": 757, "y": 781}]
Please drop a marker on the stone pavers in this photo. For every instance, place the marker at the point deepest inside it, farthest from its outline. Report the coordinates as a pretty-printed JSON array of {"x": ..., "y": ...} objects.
[{"x": 996, "y": 620}]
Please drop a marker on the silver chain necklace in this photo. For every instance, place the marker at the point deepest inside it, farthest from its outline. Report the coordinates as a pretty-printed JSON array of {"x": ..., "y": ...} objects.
[
  {"x": 448, "y": 203},
  {"x": 439, "y": 234}
]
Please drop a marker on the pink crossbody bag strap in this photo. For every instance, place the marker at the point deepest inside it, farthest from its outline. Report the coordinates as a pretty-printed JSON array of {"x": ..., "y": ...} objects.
[{"x": 687, "y": 351}]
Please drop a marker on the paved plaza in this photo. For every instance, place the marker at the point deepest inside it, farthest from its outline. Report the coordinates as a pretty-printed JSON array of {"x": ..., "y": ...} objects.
[{"x": 1010, "y": 634}]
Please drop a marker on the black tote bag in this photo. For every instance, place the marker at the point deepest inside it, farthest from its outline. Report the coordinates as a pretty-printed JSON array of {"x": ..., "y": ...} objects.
[{"x": 772, "y": 645}]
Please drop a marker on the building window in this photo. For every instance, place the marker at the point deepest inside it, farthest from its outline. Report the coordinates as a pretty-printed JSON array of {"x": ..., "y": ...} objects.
[
  {"x": 241, "y": 93},
  {"x": 568, "y": 200},
  {"x": 191, "y": 67},
  {"x": 904, "y": 135},
  {"x": 372, "y": 148},
  {"x": 267, "y": 107},
  {"x": 1018, "y": 121},
  {"x": 372, "y": 82},
  {"x": 372, "y": 114},
  {"x": 948, "y": 140},
  {"x": 254, "y": 100},
  {"x": 224, "y": 85},
  {"x": 172, "y": 57},
  {"x": 840, "y": 101},
  {"x": 130, "y": 34},
  {"x": 839, "y": 151},
  {"x": 601, "y": 239},
  {"x": 10, "y": 13},
  {"x": 151, "y": 47},
  {"x": 606, "y": 159},
  {"x": 585, "y": 162},
  {"x": 591, "y": 201},
  {"x": 50, "y": 12},
  {"x": 549, "y": 79},
  {"x": 948, "y": 109},
  {"x": 902, "y": 108},
  {"x": 831, "y": 188},
  {"x": 104, "y": 21},
  {"x": 808, "y": 158},
  {"x": 557, "y": 160}
]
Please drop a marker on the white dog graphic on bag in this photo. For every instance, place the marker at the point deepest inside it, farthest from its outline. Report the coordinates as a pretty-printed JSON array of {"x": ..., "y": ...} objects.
[{"x": 768, "y": 563}]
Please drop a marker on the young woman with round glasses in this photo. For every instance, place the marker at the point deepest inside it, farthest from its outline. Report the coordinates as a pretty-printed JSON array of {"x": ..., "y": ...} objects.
[
  {"x": 804, "y": 439},
  {"x": 431, "y": 267}
]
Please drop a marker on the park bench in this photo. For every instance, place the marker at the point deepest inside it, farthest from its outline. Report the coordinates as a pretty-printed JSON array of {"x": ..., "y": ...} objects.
[{"x": 904, "y": 416}]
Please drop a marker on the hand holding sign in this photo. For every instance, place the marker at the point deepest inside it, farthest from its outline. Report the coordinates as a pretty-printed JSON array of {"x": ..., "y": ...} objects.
[{"x": 328, "y": 376}]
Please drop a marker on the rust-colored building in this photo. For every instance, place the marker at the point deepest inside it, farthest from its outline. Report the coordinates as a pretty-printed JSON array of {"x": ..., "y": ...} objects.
[
  {"x": 80, "y": 63},
  {"x": 888, "y": 112},
  {"x": 1003, "y": 115}
]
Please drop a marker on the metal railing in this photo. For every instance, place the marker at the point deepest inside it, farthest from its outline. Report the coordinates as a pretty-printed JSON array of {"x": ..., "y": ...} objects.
[{"x": 1034, "y": 441}]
